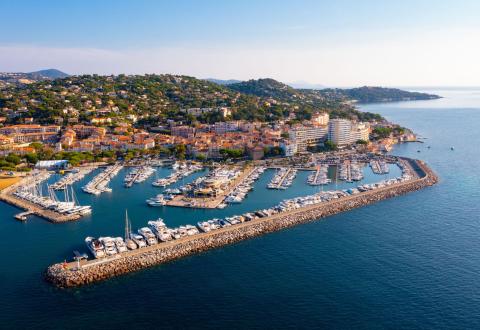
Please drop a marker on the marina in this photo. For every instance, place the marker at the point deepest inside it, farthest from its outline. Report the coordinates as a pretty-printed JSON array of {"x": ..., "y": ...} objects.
[
  {"x": 350, "y": 171},
  {"x": 99, "y": 184},
  {"x": 379, "y": 166},
  {"x": 319, "y": 177},
  {"x": 283, "y": 178},
  {"x": 210, "y": 191},
  {"x": 138, "y": 175},
  {"x": 72, "y": 177},
  {"x": 181, "y": 170},
  {"x": 415, "y": 175}
]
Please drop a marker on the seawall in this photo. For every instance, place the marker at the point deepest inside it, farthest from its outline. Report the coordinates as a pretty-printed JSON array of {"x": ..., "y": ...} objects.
[{"x": 96, "y": 270}]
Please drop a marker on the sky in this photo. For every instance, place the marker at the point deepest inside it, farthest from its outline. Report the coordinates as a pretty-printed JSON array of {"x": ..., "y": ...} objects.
[{"x": 331, "y": 43}]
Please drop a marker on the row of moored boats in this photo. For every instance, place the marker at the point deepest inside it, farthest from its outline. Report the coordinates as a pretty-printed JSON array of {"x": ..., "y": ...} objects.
[
  {"x": 180, "y": 171},
  {"x": 240, "y": 192},
  {"x": 99, "y": 183},
  {"x": 138, "y": 175},
  {"x": 319, "y": 177},
  {"x": 283, "y": 178},
  {"x": 72, "y": 177},
  {"x": 379, "y": 167}
]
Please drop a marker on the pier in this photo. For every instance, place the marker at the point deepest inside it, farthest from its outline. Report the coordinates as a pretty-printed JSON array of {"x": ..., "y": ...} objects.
[
  {"x": 69, "y": 275},
  {"x": 210, "y": 202},
  {"x": 30, "y": 208},
  {"x": 283, "y": 178}
]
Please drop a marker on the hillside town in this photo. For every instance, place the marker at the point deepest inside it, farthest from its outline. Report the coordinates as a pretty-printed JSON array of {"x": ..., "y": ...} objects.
[
  {"x": 233, "y": 139},
  {"x": 105, "y": 118}
]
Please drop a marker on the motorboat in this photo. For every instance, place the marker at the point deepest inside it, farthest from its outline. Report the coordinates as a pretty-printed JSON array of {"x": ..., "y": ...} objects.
[{"x": 95, "y": 246}]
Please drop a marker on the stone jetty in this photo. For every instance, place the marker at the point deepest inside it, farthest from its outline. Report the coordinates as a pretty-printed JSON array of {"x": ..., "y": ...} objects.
[{"x": 68, "y": 275}]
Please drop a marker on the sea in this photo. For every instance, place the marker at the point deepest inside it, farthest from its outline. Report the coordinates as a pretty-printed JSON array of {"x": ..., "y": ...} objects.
[{"x": 408, "y": 262}]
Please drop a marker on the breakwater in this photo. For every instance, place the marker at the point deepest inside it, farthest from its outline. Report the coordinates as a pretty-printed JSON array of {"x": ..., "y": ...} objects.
[{"x": 67, "y": 275}]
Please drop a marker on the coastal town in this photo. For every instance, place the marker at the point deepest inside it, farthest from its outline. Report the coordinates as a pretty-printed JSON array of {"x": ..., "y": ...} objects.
[{"x": 214, "y": 157}]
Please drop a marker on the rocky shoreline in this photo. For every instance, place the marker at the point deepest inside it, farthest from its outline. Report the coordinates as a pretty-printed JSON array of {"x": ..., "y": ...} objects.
[{"x": 68, "y": 276}]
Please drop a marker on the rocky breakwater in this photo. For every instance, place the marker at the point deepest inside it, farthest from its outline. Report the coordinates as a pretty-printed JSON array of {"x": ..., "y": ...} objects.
[{"x": 92, "y": 271}]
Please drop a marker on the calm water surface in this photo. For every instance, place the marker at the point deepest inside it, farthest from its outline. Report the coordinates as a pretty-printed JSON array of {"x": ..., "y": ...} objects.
[{"x": 408, "y": 262}]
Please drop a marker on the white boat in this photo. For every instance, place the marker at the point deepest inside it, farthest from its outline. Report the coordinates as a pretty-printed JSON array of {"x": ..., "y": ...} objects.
[
  {"x": 109, "y": 244},
  {"x": 139, "y": 240},
  {"x": 148, "y": 235},
  {"x": 120, "y": 244},
  {"x": 95, "y": 246}
]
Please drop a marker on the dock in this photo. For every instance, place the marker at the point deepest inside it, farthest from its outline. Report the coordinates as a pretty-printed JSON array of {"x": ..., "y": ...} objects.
[
  {"x": 33, "y": 209},
  {"x": 283, "y": 178},
  {"x": 23, "y": 216},
  {"x": 210, "y": 202},
  {"x": 70, "y": 275}
]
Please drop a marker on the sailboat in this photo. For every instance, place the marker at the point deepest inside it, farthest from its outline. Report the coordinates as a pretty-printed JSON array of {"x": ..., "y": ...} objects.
[{"x": 131, "y": 245}]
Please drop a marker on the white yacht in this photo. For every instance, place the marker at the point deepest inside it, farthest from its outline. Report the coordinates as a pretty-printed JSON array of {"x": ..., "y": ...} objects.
[
  {"x": 148, "y": 235},
  {"x": 139, "y": 240},
  {"x": 120, "y": 244},
  {"x": 109, "y": 244},
  {"x": 95, "y": 246}
]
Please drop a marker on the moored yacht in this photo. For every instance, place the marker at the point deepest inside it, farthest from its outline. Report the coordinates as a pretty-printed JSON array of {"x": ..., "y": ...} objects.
[
  {"x": 109, "y": 244},
  {"x": 120, "y": 244},
  {"x": 95, "y": 246},
  {"x": 148, "y": 235},
  {"x": 139, "y": 240}
]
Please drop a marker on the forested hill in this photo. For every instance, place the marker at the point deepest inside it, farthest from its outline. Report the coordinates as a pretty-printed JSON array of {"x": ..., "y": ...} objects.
[
  {"x": 376, "y": 94},
  {"x": 158, "y": 99}
]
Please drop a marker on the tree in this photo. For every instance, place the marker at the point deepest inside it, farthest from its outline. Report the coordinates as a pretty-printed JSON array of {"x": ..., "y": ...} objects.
[
  {"x": 382, "y": 132},
  {"x": 180, "y": 151},
  {"x": 31, "y": 158},
  {"x": 361, "y": 142},
  {"x": 329, "y": 145},
  {"x": 201, "y": 157},
  {"x": 14, "y": 159}
]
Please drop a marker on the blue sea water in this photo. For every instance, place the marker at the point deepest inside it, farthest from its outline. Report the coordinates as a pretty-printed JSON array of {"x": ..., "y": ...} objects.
[{"x": 407, "y": 262}]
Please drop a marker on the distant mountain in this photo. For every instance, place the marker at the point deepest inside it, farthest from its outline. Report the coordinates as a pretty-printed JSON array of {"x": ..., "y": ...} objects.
[
  {"x": 368, "y": 94},
  {"x": 223, "y": 82},
  {"x": 48, "y": 73},
  {"x": 21, "y": 78}
]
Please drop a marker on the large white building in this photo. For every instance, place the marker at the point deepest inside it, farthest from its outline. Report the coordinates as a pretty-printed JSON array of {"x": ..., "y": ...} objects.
[
  {"x": 339, "y": 131},
  {"x": 343, "y": 132},
  {"x": 305, "y": 136}
]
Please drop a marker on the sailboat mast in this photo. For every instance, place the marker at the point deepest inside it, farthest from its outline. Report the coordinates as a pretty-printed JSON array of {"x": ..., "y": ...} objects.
[{"x": 127, "y": 229}]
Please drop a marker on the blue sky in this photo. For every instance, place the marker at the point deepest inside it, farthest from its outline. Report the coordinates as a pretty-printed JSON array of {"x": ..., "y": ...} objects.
[{"x": 336, "y": 43}]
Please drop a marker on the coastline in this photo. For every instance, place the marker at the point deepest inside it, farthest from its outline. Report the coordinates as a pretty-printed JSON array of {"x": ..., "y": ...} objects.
[{"x": 67, "y": 275}]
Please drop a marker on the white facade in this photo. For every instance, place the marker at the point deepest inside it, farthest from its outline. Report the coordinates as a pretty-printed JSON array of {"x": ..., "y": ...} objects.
[
  {"x": 306, "y": 136},
  {"x": 339, "y": 131},
  {"x": 343, "y": 132},
  {"x": 360, "y": 131}
]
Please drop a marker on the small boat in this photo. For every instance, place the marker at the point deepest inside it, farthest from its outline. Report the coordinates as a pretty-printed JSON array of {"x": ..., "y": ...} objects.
[{"x": 452, "y": 148}]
